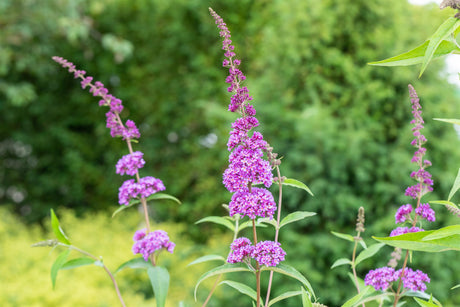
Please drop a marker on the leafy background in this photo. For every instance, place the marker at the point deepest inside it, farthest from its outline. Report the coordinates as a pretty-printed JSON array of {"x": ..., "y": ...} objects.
[{"x": 341, "y": 126}]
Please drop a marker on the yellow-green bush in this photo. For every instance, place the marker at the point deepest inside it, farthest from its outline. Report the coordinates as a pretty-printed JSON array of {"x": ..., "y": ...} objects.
[{"x": 26, "y": 270}]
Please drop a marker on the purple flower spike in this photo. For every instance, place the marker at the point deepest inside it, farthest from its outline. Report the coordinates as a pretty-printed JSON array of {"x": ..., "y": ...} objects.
[
  {"x": 268, "y": 253},
  {"x": 147, "y": 244},
  {"x": 129, "y": 164}
]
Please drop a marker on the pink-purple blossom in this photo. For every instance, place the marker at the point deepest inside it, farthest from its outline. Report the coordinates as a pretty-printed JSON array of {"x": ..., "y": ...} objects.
[
  {"x": 403, "y": 213},
  {"x": 257, "y": 203},
  {"x": 403, "y": 230},
  {"x": 268, "y": 253},
  {"x": 425, "y": 211},
  {"x": 241, "y": 249},
  {"x": 131, "y": 189},
  {"x": 382, "y": 278},
  {"x": 129, "y": 164},
  {"x": 147, "y": 244}
]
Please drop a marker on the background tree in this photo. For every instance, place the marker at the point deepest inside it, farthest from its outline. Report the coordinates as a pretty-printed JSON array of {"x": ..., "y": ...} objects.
[{"x": 342, "y": 126}]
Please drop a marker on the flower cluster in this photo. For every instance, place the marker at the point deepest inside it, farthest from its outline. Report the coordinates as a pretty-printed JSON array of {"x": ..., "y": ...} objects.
[
  {"x": 144, "y": 188},
  {"x": 147, "y": 244},
  {"x": 267, "y": 253},
  {"x": 382, "y": 278},
  {"x": 247, "y": 167},
  {"x": 130, "y": 163}
]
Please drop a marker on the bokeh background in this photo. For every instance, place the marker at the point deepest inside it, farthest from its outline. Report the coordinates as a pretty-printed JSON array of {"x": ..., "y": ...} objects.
[{"x": 341, "y": 125}]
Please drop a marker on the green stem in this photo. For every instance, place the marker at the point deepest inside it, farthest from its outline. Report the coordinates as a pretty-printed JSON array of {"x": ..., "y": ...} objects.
[
  {"x": 278, "y": 221},
  {"x": 120, "y": 298}
]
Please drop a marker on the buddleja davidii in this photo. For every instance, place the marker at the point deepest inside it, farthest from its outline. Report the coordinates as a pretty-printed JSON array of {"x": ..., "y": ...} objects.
[
  {"x": 132, "y": 191},
  {"x": 247, "y": 170}
]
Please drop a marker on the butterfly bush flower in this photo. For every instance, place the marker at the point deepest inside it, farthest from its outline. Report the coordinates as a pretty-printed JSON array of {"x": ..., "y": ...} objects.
[
  {"x": 241, "y": 249},
  {"x": 268, "y": 253},
  {"x": 130, "y": 163},
  {"x": 247, "y": 166},
  {"x": 147, "y": 244},
  {"x": 146, "y": 186},
  {"x": 382, "y": 278}
]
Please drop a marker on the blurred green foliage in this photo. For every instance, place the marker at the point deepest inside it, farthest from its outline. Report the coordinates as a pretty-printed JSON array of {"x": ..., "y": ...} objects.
[{"x": 341, "y": 126}]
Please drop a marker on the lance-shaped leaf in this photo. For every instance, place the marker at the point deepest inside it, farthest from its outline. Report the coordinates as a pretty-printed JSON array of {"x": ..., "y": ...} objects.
[
  {"x": 425, "y": 303},
  {"x": 455, "y": 187},
  {"x": 416, "y": 242},
  {"x": 448, "y": 28},
  {"x": 295, "y": 216},
  {"x": 58, "y": 232},
  {"x": 284, "y": 296},
  {"x": 343, "y": 236},
  {"x": 416, "y": 55},
  {"x": 449, "y": 120},
  {"x": 226, "y": 268},
  {"x": 340, "y": 262},
  {"x": 243, "y": 289},
  {"x": 57, "y": 265},
  {"x": 218, "y": 220},
  {"x": 355, "y": 299},
  {"x": 291, "y": 272},
  {"x": 206, "y": 259},
  {"x": 306, "y": 299},
  {"x": 297, "y": 184},
  {"x": 136, "y": 263},
  {"x": 156, "y": 196},
  {"x": 77, "y": 262},
  {"x": 443, "y": 233},
  {"x": 368, "y": 252},
  {"x": 159, "y": 278}
]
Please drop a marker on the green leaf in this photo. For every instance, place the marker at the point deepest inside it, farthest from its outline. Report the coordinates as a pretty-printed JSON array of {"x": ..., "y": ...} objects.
[
  {"x": 58, "y": 232},
  {"x": 306, "y": 300},
  {"x": 77, "y": 262},
  {"x": 343, "y": 236},
  {"x": 135, "y": 263},
  {"x": 57, "y": 265},
  {"x": 449, "y": 120},
  {"x": 355, "y": 299},
  {"x": 455, "y": 287},
  {"x": 156, "y": 196},
  {"x": 443, "y": 232},
  {"x": 207, "y": 258},
  {"x": 415, "y": 241},
  {"x": 369, "y": 252},
  {"x": 291, "y": 272},
  {"x": 425, "y": 303},
  {"x": 455, "y": 187},
  {"x": 268, "y": 220},
  {"x": 226, "y": 268},
  {"x": 297, "y": 184},
  {"x": 444, "y": 202},
  {"x": 295, "y": 216},
  {"x": 243, "y": 289},
  {"x": 284, "y": 296},
  {"x": 416, "y": 55},
  {"x": 218, "y": 220},
  {"x": 443, "y": 32},
  {"x": 340, "y": 262},
  {"x": 159, "y": 278}
]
